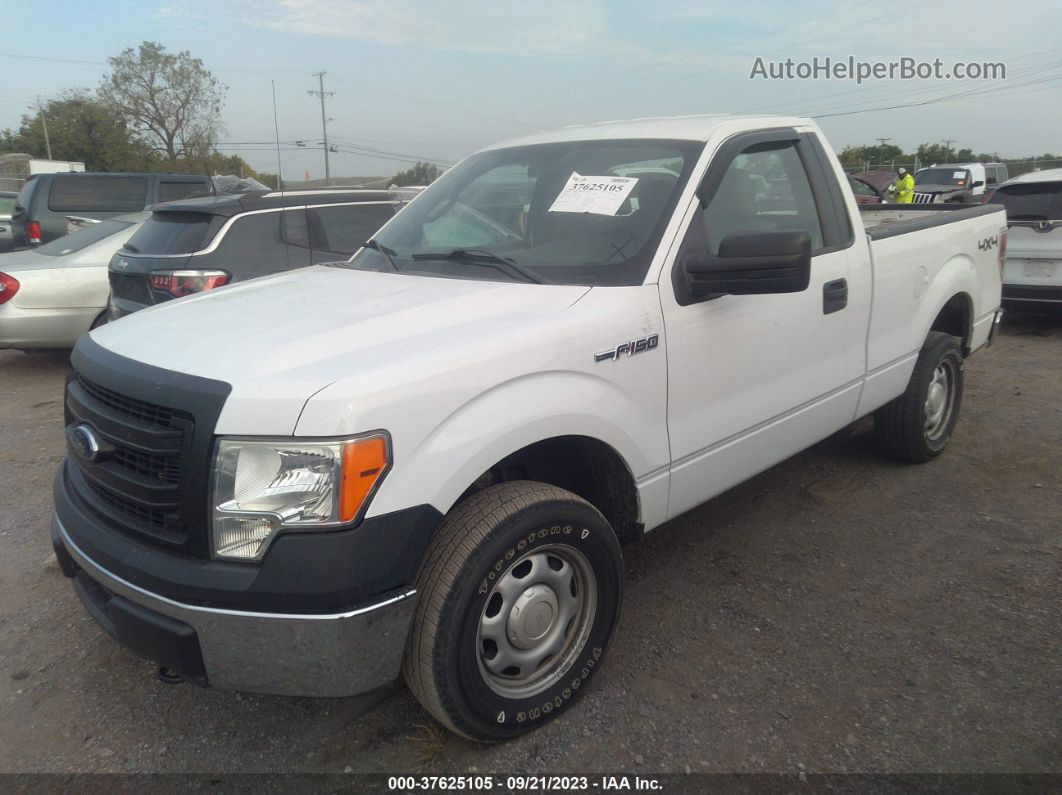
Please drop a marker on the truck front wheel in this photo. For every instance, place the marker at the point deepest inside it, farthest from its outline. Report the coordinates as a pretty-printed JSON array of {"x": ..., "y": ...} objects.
[
  {"x": 517, "y": 598},
  {"x": 917, "y": 425}
]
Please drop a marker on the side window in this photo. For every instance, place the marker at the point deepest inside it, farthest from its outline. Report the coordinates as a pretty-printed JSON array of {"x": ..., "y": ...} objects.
[
  {"x": 764, "y": 189},
  {"x": 251, "y": 247},
  {"x": 293, "y": 228},
  {"x": 342, "y": 229},
  {"x": 171, "y": 191},
  {"x": 75, "y": 193}
]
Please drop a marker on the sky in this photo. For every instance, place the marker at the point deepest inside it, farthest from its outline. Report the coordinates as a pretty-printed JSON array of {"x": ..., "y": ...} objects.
[{"x": 439, "y": 80}]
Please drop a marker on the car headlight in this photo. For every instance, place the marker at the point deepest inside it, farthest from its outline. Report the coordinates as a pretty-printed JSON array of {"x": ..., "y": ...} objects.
[{"x": 263, "y": 487}]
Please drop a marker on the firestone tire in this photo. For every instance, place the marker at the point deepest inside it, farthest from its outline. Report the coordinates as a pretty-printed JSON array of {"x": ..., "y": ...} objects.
[
  {"x": 518, "y": 572},
  {"x": 917, "y": 426}
]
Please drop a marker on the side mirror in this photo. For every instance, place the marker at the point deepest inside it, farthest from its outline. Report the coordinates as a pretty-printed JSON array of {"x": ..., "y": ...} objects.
[
  {"x": 978, "y": 184},
  {"x": 752, "y": 263}
]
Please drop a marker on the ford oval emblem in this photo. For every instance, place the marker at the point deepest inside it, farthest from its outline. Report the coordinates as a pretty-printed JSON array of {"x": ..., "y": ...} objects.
[{"x": 83, "y": 439}]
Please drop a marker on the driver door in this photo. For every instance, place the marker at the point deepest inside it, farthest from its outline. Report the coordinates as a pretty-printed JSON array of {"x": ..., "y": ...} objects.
[{"x": 753, "y": 379}]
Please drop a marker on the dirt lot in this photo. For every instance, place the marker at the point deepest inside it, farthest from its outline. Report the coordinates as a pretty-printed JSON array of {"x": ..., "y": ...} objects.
[{"x": 840, "y": 612}]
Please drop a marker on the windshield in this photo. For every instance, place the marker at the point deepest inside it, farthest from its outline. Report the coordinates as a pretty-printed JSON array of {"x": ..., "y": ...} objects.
[
  {"x": 1037, "y": 201},
  {"x": 959, "y": 177},
  {"x": 577, "y": 212},
  {"x": 83, "y": 238}
]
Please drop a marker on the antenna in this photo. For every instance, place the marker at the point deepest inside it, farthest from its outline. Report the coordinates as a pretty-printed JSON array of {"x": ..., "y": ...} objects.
[{"x": 276, "y": 129}]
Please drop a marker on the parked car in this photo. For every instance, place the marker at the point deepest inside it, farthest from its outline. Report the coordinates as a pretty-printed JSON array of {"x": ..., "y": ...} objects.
[
  {"x": 52, "y": 294},
  {"x": 881, "y": 181},
  {"x": 1032, "y": 276},
  {"x": 425, "y": 458},
  {"x": 957, "y": 182},
  {"x": 47, "y": 202},
  {"x": 7, "y": 207},
  {"x": 201, "y": 244},
  {"x": 864, "y": 192}
]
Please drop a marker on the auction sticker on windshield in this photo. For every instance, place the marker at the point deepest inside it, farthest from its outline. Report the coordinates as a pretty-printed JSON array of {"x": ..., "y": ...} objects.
[{"x": 599, "y": 195}]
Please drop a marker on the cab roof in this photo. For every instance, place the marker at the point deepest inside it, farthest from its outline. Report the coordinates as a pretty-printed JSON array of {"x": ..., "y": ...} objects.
[
  {"x": 687, "y": 128},
  {"x": 229, "y": 204}
]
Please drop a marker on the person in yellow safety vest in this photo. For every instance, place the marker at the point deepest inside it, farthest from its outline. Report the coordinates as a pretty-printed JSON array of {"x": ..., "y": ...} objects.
[{"x": 904, "y": 187}]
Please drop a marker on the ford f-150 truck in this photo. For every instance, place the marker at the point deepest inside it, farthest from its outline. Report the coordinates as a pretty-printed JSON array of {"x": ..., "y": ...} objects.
[{"x": 424, "y": 460}]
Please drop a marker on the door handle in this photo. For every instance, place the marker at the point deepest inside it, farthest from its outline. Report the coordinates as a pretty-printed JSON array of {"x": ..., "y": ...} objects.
[{"x": 834, "y": 296}]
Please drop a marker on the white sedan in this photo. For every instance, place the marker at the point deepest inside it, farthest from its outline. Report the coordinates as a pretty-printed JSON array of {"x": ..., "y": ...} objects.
[{"x": 52, "y": 294}]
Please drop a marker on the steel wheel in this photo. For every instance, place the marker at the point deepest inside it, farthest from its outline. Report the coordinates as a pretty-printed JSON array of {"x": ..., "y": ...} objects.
[
  {"x": 536, "y": 620},
  {"x": 940, "y": 397}
]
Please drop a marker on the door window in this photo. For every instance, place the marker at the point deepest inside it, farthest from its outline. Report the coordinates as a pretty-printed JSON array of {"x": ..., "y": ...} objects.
[
  {"x": 252, "y": 246},
  {"x": 765, "y": 188},
  {"x": 343, "y": 229}
]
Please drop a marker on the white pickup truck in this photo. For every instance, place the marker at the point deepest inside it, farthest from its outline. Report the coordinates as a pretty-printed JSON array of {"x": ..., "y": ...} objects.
[{"x": 425, "y": 460}]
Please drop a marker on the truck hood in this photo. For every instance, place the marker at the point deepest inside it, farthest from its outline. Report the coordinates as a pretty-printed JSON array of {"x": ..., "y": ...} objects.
[{"x": 279, "y": 339}]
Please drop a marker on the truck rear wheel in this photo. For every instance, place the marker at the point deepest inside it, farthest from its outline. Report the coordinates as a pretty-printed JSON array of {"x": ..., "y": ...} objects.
[
  {"x": 917, "y": 426},
  {"x": 517, "y": 599}
]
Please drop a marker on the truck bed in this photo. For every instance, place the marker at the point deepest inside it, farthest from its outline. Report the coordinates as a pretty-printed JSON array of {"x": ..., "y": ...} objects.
[{"x": 888, "y": 220}]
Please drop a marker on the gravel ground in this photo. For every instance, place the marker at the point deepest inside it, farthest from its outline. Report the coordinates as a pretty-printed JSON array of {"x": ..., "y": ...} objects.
[{"x": 839, "y": 612}]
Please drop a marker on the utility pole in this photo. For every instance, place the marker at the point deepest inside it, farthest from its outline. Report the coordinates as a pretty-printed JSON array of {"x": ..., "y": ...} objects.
[
  {"x": 881, "y": 150},
  {"x": 947, "y": 148},
  {"x": 321, "y": 93},
  {"x": 44, "y": 123}
]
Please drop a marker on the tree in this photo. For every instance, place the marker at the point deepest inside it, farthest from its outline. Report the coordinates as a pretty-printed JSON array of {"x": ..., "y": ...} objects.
[
  {"x": 84, "y": 129},
  {"x": 934, "y": 153},
  {"x": 171, "y": 101},
  {"x": 870, "y": 155},
  {"x": 421, "y": 174}
]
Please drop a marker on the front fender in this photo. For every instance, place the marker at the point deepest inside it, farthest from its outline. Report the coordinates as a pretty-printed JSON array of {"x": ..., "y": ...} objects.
[{"x": 510, "y": 416}]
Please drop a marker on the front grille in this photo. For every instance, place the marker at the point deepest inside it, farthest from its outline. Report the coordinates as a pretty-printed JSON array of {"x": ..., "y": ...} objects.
[
  {"x": 130, "y": 407},
  {"x": 164, "y": 469},
  {"x": 135, "y": 479},
  {"x": 149, "y": 479},
  {"x": 128, "y": 507},
  {"x": 923, "y": 198}
]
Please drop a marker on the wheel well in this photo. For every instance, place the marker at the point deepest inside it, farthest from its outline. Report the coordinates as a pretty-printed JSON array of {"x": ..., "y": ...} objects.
[
  {"x": 583, "y": 466},
  {"x": 956, "y": 318}
]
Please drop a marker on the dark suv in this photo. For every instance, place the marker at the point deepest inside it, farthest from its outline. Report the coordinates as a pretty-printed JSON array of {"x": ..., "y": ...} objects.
[
  {"x": 200, "y": 244},
  {"x": 47, "y": 201}
]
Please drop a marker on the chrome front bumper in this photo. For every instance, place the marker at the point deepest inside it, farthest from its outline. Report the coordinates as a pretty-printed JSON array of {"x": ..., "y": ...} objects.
[{"x": 333, "y": 655}]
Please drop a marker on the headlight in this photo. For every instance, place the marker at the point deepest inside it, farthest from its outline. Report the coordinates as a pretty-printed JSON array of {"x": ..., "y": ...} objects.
[{"x": 262, "y": 487}]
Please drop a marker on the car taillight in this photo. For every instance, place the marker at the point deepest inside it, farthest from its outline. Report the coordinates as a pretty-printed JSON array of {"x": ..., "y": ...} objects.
[
  {"x": 8, "y": 287},
  {"x": 33, "y": 232},
  {"x": 1002, "y": 249},
  {"x": 178, "y": 283}
]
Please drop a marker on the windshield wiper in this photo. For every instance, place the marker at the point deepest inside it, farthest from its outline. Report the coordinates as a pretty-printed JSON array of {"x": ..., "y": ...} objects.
[
  {"x": 387, "y": 253},
  {"x": 478, "y": 256}
]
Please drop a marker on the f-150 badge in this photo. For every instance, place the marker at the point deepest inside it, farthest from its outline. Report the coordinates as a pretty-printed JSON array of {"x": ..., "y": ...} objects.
[{"x": 628, "y": 348}]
